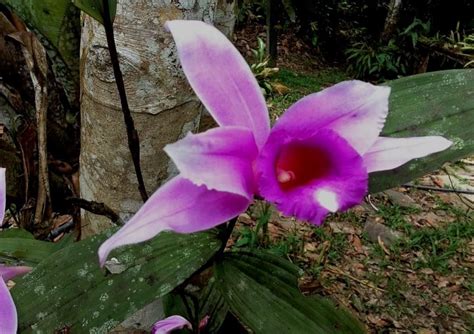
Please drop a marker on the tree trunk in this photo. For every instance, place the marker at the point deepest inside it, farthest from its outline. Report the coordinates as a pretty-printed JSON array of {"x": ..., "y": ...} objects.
[
  {"x": 225, "y": 17},
  {"x": 391, "y": 20},
  {"x": 162, "y": 103},
  {"x": 272, "y": 38}
]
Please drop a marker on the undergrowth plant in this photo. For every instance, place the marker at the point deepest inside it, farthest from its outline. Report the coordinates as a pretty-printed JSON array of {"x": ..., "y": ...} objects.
[
  {"x": 261, "y": 69},
  {"x": 382, "y": 60}
]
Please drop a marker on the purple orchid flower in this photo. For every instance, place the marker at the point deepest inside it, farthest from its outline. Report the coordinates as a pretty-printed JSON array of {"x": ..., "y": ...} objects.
[
  {"x": 314, "y": 161},
  {"x": 8, "y": 316},
  {"x": 170, "y": 324}
]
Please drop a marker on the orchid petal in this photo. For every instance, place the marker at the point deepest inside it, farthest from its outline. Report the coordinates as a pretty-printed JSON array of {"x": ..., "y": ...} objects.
[
  {"x": 3, "y": 195},
  {"x": 8, "y": 316},
  {"x": 221, "y": 77},
  {"x": 219, "y": 158},
  {"x": 8, "y": 273},
  {"x": 170, "y": 324},
  {"x": 178, "y": 206},
  {"x": 312, "y": 174},
  {"x": 355, "y": 110},
  {"x": 389, "y": 153}
]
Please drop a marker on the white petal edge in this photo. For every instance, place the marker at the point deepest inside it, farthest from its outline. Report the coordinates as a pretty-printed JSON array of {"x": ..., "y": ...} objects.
[{"x": 389, "y": 153}]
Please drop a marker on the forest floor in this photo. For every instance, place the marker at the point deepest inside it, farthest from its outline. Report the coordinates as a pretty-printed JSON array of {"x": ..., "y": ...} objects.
[{"x": 402, "y": 262}]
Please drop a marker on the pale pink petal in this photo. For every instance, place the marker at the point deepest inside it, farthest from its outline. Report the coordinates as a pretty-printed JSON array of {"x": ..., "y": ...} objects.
[
  {"x": 3, "y": 195},
  {"x": 220, "y": 158},
  {"x": 389, "y": 153},
  {"x": 8, "y": 316},
  {"x": 8, "y": 273},
  {"x": 170, "y": 324},
  {"x": 178, "y": 206},
  {"x": 220, "y": 77},
  {"x": 311, "y": 174},
  {"x": 355, "y": 110}
]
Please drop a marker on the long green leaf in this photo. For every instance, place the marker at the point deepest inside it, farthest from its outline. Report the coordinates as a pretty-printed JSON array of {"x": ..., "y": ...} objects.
[
  {"x": 262, "y": 292},
  {"x": 16, "y": 233},
  {"x": 29, "y": 251},
  {"x": 211, "y": 304},
  {"x": 69, "y": 289},
  {"x": 57, "y": 20},
  {"x": 95, "y": 8},
  {"x": 437, "y": 103}
]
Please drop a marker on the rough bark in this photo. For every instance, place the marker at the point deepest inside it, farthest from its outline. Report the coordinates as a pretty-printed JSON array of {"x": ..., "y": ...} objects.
[
  {"x": 162, "y": 103},
  {"x": 391, "y": 20},
  {"x": 225, "y": 16}
]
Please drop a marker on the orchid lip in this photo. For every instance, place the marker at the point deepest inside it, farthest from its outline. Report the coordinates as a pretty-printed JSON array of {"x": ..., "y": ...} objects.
[
  {"x": 327, "y": 199},
  {"x": 298, "y": 164}
]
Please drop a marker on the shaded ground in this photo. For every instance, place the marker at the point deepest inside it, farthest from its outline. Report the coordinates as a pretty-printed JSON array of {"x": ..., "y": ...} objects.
[
  {"x": 403, "y": 262},
  {"x": 403, "y": 265}
]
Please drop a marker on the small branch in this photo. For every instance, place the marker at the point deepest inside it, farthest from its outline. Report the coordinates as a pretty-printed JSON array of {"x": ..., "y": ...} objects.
[
  {"x": 96, "y": 208},
  {"x": 458, "y": 57},
  {"x": 338, "y": 271},
  {"x": 368, "y": 199},
  {"x": 61, "y": 229},
  {"x": 43, "y": 179},
  {"x": 37, "y": 64},
  {"x": 457, "y": 194},
  {"x": 442, "y": 190},
  {"x": 132, "y": 134}
]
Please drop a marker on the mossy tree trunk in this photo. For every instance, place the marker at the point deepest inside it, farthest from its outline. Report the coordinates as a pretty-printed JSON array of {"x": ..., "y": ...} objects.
[{"x": 391, "y": 20}]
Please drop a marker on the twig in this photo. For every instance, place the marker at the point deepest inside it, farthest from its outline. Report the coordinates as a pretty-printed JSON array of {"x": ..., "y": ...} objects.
[
  {"x": 36, "y": 61},
  {"x": 132, "y": 134},
  {"x": 96, "y": 208},
  {"x": 458, "y": 57},
  {"x": 340, "y": 272},
  {"x": 457, "y": 194},
  {"x": 43, "y": 179},
  {"x": 442, "y": 190},
  {"x": 368, "y": 199},
  {"x": 61, "y": 229}
]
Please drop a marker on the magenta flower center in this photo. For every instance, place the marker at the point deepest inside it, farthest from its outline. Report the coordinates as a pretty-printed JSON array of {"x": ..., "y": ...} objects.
[{"x": 299, "y": 164}]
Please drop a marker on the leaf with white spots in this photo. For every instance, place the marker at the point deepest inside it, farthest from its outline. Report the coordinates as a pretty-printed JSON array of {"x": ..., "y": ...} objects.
[
  {"x": 70, "y": 289},
  {"x": 431, "y": 104}
]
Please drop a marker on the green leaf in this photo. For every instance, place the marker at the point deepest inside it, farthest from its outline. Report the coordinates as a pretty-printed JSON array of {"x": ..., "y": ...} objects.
[
  {"x": 211, "y": 304},
  {"x": 58, "y": 21},
  {"x": 16, "y": 233},
  {"x": 95, "y": 8},
  {"x": 262, "y": 292},
  {"x": 437, "y": 103},
  {"x": 214, "y": 306},
  {"x": 29, "y": 251},
  {"x": 70, "y": 288}
]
